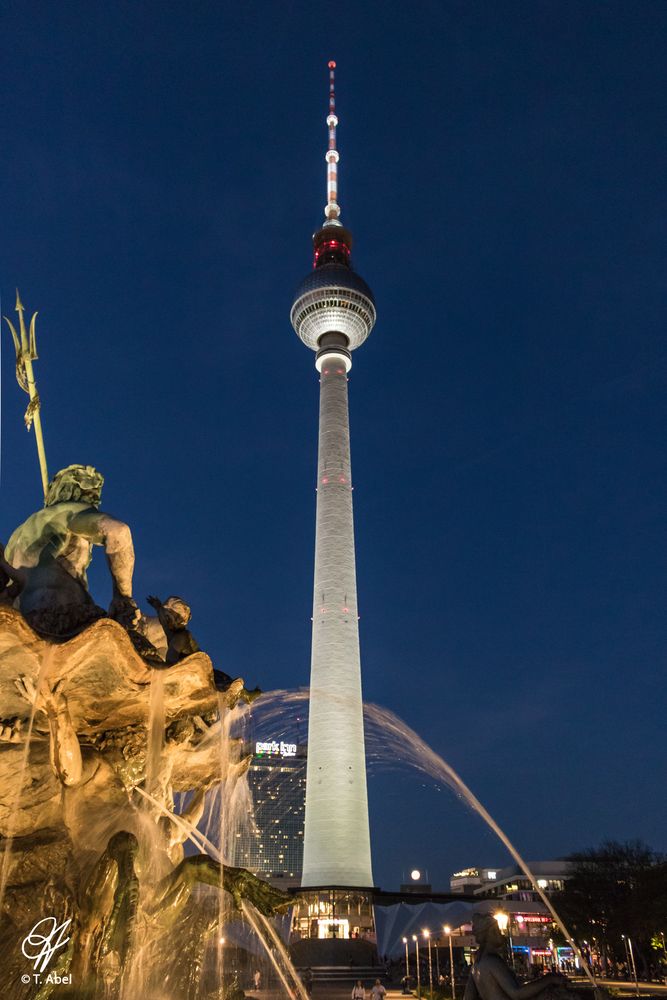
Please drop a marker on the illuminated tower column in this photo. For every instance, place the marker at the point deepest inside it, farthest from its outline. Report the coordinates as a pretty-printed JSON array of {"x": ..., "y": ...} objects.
[{"x": 333, "y": 313}]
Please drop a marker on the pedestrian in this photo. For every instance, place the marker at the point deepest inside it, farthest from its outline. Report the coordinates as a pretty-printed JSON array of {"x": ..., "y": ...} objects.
[
  {"x": 378, "y": 992},
  {"x": 358, "y": 991},
  {"x": 308, "y": 981},
  {"x": 257, "y": 979}
]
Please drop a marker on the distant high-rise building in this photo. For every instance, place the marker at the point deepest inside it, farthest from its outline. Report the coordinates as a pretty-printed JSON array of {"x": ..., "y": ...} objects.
[
  {"x": 333, "y": 313},
  {"x": 271, "y": 845}
]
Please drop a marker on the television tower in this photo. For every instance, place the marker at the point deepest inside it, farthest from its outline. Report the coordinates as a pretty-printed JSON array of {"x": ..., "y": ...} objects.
[{"x": 333, "y": 313}]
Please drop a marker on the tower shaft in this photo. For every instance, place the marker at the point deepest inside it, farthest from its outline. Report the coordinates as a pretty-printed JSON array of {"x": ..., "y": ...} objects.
[{"x": 336, "y": 834}]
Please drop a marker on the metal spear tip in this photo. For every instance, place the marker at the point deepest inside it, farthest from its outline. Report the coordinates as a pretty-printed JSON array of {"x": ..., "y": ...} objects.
[{"x": 19, "y": 304}]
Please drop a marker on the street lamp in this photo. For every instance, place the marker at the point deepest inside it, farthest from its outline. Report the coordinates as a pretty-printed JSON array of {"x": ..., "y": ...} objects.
[
  {"x": 631, "y": 954},
  {"x": 407, "y": 961},
  {"x": 448, "y": 931},
  {"x": 427, "y": 935},
  {"x": 419, "y": 985},
  {"x": 503, "y": 921}
]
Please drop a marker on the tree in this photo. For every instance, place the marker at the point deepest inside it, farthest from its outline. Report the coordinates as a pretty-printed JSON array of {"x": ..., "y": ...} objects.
[{"x": 614, "y": 890}]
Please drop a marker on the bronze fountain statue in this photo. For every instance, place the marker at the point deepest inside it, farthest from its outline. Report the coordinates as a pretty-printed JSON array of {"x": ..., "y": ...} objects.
[
  {"x": 90, "y": 839},
  {"x": 491, "y": 977}
]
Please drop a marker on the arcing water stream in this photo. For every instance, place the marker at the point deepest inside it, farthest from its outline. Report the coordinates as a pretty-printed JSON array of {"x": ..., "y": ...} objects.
[
  {"x": 277, "y": 952},
  {"x": 420, "y": 756},
  {"x": 390, "y": 740},
  {"x": 261, "y": 925},
  {"x": 227, "y": 811}
]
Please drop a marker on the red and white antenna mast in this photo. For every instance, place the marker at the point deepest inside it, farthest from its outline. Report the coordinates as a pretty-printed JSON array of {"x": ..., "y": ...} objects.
[{"x": 332, "y": 210}]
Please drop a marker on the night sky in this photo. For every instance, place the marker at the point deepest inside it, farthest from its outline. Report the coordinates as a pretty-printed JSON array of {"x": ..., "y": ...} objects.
[{"x": 502, "y": 170}]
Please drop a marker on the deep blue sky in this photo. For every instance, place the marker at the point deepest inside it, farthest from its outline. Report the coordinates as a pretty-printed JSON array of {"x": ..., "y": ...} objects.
[{"x": 502, "y": 169}]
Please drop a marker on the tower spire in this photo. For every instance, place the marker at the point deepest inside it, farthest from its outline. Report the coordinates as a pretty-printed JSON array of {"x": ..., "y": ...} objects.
[{"x": 332, "y": 210}]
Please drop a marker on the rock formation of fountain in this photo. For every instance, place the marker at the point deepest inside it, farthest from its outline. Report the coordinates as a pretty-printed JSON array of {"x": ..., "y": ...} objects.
[{"x": 103, "y": 718}]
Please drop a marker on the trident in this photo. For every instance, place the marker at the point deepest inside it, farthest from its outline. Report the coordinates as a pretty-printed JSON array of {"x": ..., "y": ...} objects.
[{"x": 26, "y": 353}]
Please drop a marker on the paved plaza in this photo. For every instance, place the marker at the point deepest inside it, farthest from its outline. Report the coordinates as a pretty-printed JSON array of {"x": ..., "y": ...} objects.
[{"x": 339, "y": 991}]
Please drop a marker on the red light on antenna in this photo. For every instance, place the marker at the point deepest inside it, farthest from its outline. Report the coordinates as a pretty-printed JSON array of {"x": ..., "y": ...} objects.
[{"x": 332, "y": 65}]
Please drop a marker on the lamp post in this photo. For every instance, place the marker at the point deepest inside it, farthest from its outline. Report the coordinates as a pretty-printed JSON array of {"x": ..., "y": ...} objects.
[
  {"x": 407, "y": 962},
  {"x": 419, "y": 985},
  {"x": 448, "y": 931},
  {"x": 503, "y": 921},
  {"x": 437, "y": 959},
  {"x": 590, "y": 954},
  {"x": 509, "y": 935},
  {"x": 630, "y": 952},
  {"x": 427, "y": 935},
  {"x": 634, "y": 967}
]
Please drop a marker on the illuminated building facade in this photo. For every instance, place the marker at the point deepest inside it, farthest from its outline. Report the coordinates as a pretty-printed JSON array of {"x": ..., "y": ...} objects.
[
  {"x": 523, "y": 917},
  {"x": 511, "y": 883},
  {"x": 333, "y": 314},
  {"x": 271, "y": 845}
]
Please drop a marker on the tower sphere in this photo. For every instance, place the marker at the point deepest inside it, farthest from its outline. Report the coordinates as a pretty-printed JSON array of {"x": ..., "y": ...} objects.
[{"x": 333, "y": 299}]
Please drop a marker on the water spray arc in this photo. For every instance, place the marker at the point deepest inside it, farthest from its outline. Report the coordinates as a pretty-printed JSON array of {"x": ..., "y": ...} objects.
[
  {"x": 426, "y": 760},
  {"x": 391, "y": 744}
]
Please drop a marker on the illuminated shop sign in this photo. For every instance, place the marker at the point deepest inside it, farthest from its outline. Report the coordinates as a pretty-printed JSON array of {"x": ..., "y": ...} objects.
[{"x": 275, "y": 749}]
